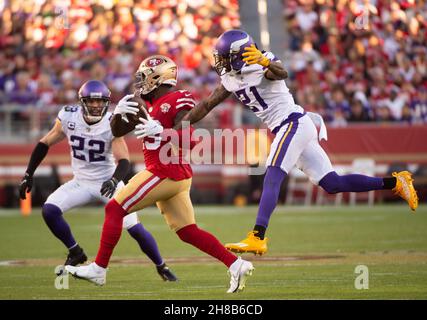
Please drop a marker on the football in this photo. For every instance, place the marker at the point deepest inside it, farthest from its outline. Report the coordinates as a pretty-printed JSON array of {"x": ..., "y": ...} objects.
[
  {"x": 134, "y": 118},
  {"x": 120, "y": 127}
]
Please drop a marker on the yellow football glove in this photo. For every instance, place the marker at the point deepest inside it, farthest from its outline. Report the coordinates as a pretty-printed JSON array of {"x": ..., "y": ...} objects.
[{"x": 253, "y": 55}]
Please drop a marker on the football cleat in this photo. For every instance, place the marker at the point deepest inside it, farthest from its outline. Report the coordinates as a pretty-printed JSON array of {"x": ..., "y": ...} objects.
[
  {"x": 239, "y": 271},
  {"x": 252, "y": 244},
  {"x": 91, "y": 272},
  {"x": 73, "y": 259},
  {"x": 405, "y": 188},
  {"x": 165, "y": 273}
]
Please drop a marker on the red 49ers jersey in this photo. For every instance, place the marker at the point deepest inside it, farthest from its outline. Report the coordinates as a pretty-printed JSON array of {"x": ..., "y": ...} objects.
[{"x": 165, "y": 110}]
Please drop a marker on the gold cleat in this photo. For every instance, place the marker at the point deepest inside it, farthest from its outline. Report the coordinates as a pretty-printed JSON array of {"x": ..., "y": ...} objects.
[
  {"x": 252, "y": 244},
  {"x": 405, "y": 189}
]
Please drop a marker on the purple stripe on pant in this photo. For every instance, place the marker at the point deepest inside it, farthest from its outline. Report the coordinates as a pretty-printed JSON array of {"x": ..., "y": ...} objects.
[{"x": 284, "y": 147}]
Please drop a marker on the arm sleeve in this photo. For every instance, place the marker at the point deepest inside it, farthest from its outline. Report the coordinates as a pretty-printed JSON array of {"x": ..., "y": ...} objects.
[
  {"x": 37, "y": 156},
  {"x": 122, "y": 169}
]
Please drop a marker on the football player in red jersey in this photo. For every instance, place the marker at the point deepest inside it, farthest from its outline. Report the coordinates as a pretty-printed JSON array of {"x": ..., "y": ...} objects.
[{"x": 165, "y": 184}]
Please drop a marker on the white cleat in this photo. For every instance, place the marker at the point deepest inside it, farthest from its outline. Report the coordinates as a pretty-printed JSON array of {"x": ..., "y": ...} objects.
[
  {"x": 239, "y": 271},
  {"x": 91, "y": 272}
]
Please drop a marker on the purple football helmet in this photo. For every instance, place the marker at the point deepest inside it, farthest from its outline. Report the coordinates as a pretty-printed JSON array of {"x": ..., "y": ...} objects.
[
  {"x": 229, "y": 49},
  {"x": 90, "y": 91}
]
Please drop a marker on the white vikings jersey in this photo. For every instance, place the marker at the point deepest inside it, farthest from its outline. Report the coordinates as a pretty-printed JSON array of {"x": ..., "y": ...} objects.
[
  {"x": 270, "y": 100},
  {"x": 90, "y": 145}
]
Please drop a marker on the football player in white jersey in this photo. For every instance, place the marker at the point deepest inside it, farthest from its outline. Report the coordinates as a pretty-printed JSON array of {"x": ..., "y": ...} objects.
[
  {"x": 256, "y": 78},
  {"x": 96, "y": 176}
]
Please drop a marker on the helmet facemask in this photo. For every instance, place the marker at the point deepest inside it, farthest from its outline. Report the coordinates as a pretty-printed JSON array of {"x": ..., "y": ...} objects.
[
  {"x": 222, "y": 63},
  {"x": 153, "y": 72},
  {"x": 94, "y": 97},
  {"x": 94, "y": 112},
  {"x": 146, "y": 81}
]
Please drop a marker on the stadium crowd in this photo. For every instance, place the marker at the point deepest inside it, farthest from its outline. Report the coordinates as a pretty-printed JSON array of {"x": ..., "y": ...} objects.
[
  {"x": 359, "y": 60},
  {"x": 348, "y": 70},
  {"x": 48, "y": 48}
]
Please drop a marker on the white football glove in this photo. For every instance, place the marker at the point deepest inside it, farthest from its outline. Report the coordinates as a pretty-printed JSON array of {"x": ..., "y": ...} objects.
[
  {"x": 125, "y": 106},
  {"x": 148, "y": 127}
]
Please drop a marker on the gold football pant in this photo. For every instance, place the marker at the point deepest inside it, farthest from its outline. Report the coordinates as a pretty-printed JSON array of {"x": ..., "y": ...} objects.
[{"x": 171, "y": 197}]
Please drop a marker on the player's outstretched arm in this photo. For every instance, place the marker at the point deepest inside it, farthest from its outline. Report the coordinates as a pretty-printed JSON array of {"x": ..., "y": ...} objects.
[
  {"x": 121, "y": 153},
  {"x": 276, "y": 71},
  {"x": 205, "y": 106},
  {"x": 39, "y": 153}
]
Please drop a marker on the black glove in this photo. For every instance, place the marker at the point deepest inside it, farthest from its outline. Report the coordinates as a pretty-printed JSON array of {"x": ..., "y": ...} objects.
[
  {"x": 25, "y": 185},
  {"x": 109, "y": 187}
]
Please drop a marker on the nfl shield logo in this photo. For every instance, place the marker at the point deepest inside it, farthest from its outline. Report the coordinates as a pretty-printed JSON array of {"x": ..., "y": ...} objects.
[{"x": 165, "y": 107}]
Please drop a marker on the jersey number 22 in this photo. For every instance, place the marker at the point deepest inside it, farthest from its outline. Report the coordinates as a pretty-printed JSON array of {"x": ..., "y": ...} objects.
[{"x": 96, "y": 150}]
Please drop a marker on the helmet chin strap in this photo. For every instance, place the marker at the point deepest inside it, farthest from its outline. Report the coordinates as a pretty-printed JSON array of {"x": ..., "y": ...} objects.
[
  {"x": 89, "y": 118},
  {"x": 93, "y": 119},
  {"x": 158, "y": 84}
]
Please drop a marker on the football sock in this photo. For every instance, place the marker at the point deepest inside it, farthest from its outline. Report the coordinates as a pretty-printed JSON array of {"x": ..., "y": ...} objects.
[
  {"x": 389, "y": 183},
  {"x": 260, "y": 231},
  {"x": 111, "y": 232},
  {"x": 333, "y": 183},
  {"x": 52, "y": 216},
  {"x": 146, "y": 242},
  {"x": 75, "y": 250},
  {"x": 207, "y": 243},
  {"x": 270, "y": 195}
]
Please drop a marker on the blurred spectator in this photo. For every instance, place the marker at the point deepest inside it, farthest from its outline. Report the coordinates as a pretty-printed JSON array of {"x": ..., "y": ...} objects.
[
  {"x": 358, "y": 113},
  {"x": 23, "y": 91},
  {"x": 383, "y": 114},
  {"x": 395, "y": 103},
  {"x": 337, "y": 102},
  {"x": 339, "y": 49},
  {"x": 48, "y": 48},
  {"x": 306, "y": 16},
  {"x": 363, "y": 48},
  {"x": 418, "y": 106}
]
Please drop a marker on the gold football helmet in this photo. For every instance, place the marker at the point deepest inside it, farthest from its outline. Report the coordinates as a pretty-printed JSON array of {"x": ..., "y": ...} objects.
[{"x": 155, "y": 71}]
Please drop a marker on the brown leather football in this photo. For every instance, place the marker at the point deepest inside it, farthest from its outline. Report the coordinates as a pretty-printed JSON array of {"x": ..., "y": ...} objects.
[
  {"x": 119, "y": 127},
  {"x": 134, "y": 119}
]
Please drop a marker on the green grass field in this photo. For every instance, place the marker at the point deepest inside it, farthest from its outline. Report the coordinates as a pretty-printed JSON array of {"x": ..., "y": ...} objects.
[{"x": 313, "y": 254}]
